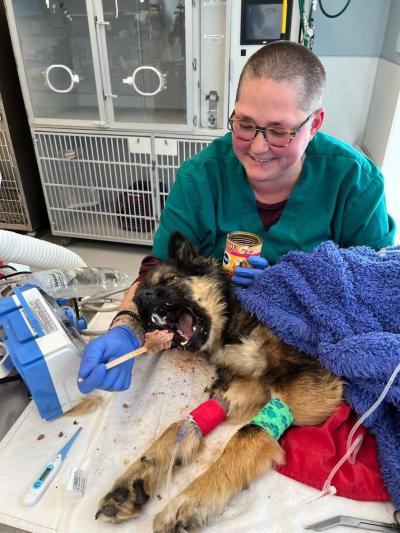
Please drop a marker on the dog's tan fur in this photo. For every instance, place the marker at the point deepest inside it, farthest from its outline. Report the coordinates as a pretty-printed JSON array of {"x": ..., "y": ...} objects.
[{"x": 252, "y": 366}]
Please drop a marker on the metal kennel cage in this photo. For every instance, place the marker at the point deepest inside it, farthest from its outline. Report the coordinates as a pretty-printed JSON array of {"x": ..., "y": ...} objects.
[
  {"x": 108, "y": 187},
  {"x": 21, "y": 199}
]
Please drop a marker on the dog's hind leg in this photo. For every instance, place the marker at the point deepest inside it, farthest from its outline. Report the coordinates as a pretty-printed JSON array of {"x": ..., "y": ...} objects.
[
  {"x": 250, "y": 453},
  {"x": 144, "y": 476}
]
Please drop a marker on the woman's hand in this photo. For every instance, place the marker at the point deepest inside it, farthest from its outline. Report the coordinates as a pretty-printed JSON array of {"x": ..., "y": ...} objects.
[
  {"x": 245, "y": 276},
  {"x": 93, "y": 373}
]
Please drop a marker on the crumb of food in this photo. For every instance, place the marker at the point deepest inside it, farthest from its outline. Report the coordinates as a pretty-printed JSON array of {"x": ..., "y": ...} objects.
[
  {"x": 158, "y": 393},
  {"x": 61, "y": 434},
  {"x": 158, "y": 340},
  {"x": 40, "y": 437},
  {"x": 76, "y": 422},
  {"x": 125, "y": 405},
  {"x": 159, "y": 496},
  {"x": 184, "y": 364},
  {"x": 126, "y": 462}
]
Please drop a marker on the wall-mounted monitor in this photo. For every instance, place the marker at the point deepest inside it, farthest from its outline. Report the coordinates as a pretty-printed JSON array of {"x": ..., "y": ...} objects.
[{"x": 265, "y": 21}]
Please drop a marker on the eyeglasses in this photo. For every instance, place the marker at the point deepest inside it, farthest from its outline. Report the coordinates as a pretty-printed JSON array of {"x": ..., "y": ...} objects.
[{"x": 279, "y": 137}]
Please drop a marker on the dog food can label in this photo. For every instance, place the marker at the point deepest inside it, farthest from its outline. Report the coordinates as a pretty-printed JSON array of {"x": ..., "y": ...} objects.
[{"x": 239, "y": 246}]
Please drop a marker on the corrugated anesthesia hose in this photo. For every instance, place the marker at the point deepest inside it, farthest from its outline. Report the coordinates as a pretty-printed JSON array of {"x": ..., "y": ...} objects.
[{"x": 22, "y": 249}]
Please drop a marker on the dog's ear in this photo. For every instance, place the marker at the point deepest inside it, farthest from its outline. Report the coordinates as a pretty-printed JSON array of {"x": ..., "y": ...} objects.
[{"x": 181, "y": 250}]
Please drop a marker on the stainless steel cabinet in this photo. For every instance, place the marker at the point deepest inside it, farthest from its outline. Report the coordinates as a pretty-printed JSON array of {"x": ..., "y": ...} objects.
[{"x": 118, "y": 94}]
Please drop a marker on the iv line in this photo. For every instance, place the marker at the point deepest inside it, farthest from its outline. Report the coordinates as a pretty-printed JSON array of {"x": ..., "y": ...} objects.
[
  {"x": 372, "y": 409},
  {"x": 355, "y": 446}
]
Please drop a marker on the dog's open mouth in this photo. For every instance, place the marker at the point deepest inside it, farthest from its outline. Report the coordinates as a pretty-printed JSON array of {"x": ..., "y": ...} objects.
[{"x": 182, "y": 321}]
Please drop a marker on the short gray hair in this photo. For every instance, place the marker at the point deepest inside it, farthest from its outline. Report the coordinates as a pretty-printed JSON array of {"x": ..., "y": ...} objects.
[{"x": 288, "y": 62}]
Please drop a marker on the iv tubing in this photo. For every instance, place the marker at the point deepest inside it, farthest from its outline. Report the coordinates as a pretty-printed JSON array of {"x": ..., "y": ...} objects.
[
  {"x": 181, "y": 435},
  {"x": 353, "y": 447},
  {"x": 372, "y": 408}
]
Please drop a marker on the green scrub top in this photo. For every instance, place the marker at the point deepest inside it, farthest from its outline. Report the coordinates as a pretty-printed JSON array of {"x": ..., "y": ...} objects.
[{"x": 339, "y": 196}]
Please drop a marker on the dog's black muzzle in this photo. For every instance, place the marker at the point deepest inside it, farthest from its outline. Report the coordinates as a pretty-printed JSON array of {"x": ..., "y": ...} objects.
[
  {"x": 148, "y": 299},
  {"x": 188, "y": 322}
]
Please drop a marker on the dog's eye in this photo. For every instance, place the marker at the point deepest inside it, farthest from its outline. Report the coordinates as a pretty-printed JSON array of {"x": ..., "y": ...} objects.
[{"x": 165, "y": 280}]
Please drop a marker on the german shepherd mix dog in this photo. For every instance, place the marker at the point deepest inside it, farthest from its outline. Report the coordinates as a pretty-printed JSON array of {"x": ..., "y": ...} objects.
[{"x": 192, "y": 296}]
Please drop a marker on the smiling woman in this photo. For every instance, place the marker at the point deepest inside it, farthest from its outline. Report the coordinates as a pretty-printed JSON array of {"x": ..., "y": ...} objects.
[
  {"x": 292, "y": 185},
  {"x": 272, "y": 161}
]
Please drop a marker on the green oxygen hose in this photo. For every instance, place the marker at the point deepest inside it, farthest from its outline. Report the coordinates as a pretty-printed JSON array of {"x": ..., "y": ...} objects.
[{"x": 336, "y": 14}]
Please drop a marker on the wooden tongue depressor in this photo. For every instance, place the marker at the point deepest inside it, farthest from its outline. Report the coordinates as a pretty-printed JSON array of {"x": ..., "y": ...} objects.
[{"x": 126, "y": 357}]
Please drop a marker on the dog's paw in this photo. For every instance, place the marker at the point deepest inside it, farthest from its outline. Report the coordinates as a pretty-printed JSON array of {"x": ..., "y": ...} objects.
[
  {"x": 122, "y": 502},
  {"x": 183, "y": 514}
]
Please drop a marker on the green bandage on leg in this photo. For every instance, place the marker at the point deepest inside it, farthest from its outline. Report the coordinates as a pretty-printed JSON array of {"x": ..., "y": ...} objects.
[{"x": 275, "y": 417}]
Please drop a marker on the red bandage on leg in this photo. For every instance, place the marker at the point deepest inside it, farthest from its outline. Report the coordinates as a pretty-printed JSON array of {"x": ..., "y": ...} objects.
[{"x": 208, "y": 415}]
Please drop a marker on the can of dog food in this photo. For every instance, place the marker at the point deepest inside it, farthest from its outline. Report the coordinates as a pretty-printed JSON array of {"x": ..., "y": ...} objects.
[{"x": 239, "y": 246}]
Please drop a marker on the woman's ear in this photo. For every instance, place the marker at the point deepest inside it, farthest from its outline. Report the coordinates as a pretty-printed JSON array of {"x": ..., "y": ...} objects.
[{"x": 317, "y": 121}]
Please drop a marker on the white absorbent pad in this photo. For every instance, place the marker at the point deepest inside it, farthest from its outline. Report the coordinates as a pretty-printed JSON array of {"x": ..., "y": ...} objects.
[{"x": 165, "y": 388}]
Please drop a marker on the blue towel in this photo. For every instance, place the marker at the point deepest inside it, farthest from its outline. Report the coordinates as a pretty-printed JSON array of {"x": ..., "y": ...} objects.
[{"x": 343, "y": 306}]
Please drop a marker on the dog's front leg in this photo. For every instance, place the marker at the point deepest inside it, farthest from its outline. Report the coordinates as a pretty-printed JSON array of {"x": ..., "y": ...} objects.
[
  {"x": 247, "y": 358},
  {"x": 248, "y": 455},
  {"x": 144, "y": 476}
]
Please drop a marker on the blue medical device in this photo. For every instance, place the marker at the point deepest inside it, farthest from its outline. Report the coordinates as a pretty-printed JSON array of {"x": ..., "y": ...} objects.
[{"x": 41, "y": 342}]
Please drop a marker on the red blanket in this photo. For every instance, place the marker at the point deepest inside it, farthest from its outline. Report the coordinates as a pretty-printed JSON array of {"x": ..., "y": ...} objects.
[{"x": 312, "y": 452}]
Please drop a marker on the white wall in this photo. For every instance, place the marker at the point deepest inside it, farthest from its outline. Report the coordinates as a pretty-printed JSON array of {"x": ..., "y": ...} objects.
[
  {"x": 382, "y": 132},
  {"x": 391, "y": 169},
  {"x": 382, "y": 109},
  {"x": 350, "y": 83}
]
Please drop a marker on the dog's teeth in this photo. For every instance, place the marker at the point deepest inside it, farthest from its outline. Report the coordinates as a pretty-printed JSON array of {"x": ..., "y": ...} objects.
[
  {"x": 159, "y": 320},
  {"x": 183, "y": 343},
  {"x": 194, "y": 328}
]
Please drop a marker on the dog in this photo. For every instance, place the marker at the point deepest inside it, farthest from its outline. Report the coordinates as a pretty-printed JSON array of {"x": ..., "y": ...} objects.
[{"x": 193, "y": 297}]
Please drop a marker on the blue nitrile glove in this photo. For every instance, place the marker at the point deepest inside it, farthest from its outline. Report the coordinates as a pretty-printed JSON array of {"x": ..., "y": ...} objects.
[
  {"x": 116, "y": 342},
  {"x": 244, "y": 276}
]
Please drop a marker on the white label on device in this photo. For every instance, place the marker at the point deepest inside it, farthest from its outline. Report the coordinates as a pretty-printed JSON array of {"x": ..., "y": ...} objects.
[
  {"x": 42, "y": 311},
  {"x": 45, "y": 319}
]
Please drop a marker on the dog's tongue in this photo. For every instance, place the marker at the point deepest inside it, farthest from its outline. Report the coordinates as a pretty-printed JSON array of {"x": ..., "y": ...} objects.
[{"x": 185, "y": 323}]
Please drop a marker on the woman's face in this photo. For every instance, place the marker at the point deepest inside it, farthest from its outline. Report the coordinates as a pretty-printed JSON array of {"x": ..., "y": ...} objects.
[{"x": 267, "y": 103}]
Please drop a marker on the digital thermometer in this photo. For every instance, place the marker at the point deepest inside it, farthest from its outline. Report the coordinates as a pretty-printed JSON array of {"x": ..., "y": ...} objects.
[{"x": 49, "y": 472}]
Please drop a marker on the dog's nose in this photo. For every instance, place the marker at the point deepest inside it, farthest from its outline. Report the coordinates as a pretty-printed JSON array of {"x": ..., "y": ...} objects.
[
  {"x": 145, "y": 297},
  {"x": 148, "y": 293}
]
